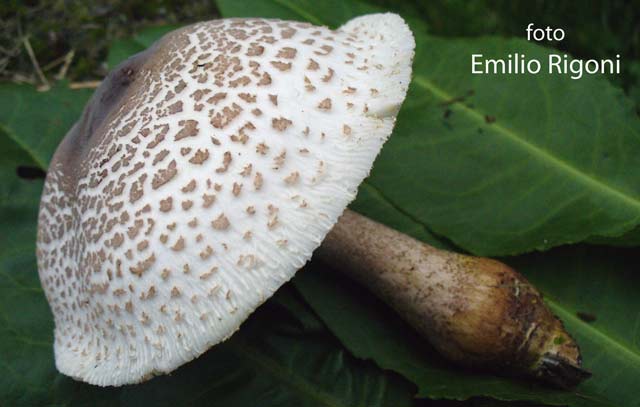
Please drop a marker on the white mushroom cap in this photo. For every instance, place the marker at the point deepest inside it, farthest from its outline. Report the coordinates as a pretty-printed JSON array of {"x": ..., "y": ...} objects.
[{"x": 203, "y": 174}]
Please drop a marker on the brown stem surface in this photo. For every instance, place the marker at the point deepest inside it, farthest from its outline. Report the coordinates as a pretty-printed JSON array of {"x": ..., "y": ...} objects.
[{"x": 476, "y": 311}]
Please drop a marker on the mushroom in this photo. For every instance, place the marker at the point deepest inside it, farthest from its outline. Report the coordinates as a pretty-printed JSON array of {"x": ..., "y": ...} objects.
[{"x": 203, "y": 174}]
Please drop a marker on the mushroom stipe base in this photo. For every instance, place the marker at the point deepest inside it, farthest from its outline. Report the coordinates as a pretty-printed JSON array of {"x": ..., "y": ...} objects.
[{"x": 476, "y": 311}]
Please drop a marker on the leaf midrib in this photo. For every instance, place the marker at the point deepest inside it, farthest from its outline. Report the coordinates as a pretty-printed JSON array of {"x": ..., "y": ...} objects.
[
  {"x": 594, "y": 332},
  {"x": 535, "y": 150},
  {"x": 27, "y": 149}
]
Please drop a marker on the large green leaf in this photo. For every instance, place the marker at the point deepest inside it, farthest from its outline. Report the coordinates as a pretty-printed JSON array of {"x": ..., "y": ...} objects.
[
  {"x": 500, "y": 164},
  {"x": 553, "y": 168}
]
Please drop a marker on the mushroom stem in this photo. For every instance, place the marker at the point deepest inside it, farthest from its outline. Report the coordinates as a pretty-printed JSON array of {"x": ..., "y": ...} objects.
[{"x": 476, "y": 311}]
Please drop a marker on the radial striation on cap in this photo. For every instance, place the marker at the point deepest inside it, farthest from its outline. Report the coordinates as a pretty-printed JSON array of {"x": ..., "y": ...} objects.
[{"x": 201, "y": 176}]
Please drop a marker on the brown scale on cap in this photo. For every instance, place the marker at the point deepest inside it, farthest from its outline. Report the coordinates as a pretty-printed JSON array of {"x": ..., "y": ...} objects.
[
  {"x": 325, "y": 104},
  {"x": 168, "y": 169}
]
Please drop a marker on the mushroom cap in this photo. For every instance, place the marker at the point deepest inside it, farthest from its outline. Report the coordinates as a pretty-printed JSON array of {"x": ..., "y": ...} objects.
[{"x": 202, "y": 175}]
